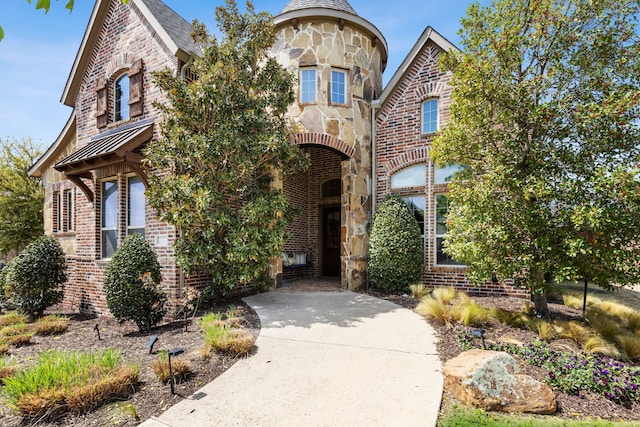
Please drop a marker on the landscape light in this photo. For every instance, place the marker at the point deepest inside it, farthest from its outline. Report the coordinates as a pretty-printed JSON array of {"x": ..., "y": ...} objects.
[
  {"x": 175, "y": 352},
  {"x": 150, "y": 344}
]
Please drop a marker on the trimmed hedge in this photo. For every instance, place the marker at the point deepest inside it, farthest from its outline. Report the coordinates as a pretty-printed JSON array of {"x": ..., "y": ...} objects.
[
  {"x": 33, "y": 279},
  {"x": 395, "y": 247},
  {"x": 132, "y": 284}
]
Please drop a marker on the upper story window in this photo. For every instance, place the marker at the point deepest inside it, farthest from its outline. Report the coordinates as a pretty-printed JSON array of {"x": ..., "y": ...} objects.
[
  {"x": 122, "y": 98},
  {"x": 338, "y": 87},
  {"x": 413, "y": 176},
  {"x": 430, "y": 116},
  {"x": 308, "y": 85}
]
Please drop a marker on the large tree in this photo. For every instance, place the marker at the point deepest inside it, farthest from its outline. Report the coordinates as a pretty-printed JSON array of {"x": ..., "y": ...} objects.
[
  {"x": 544, "y": 114},
  {"x": 21, "y": 197},
  {"x": 224, "y": 136}
]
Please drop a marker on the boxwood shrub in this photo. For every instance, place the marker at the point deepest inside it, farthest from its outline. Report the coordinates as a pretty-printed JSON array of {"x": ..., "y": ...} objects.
[
  {"x": 132, "y": 284},
  {"x": 33, "y": 279},
  {"x": 395, "y": 247}
]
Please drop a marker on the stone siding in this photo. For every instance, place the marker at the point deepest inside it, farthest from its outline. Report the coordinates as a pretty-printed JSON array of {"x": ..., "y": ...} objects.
[{"x": 325, "y": 46}]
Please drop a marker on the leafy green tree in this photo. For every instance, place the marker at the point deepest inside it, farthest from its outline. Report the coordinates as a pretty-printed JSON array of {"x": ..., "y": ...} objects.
[
  {"x": 33, "y": 279},
  {"x": 132, "y": 284},
  {"x": 395, "y": 247},
  {"x": 223, "y": 139},
  {"x": 21, "y": 197},
  {"x": 544, "y": 112}
]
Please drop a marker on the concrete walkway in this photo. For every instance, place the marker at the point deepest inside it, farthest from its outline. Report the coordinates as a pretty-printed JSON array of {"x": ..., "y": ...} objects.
[{"x": 324, "y": 359}]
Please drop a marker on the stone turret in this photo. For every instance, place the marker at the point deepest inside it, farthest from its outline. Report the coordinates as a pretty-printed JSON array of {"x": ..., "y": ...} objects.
[{"x": 338, "y": 58}]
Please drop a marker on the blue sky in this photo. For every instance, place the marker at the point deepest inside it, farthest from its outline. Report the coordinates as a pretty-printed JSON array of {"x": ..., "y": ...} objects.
[{"x": 38, "y": 50}]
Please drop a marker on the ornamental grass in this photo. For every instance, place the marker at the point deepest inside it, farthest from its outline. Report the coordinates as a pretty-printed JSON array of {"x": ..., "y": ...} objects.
[
  {"x": 221, "y": 335},
  {"x": 12, "y": 318},
  {"x": 17, "y": 334},
  {"x": 51, "y": 325},
  {"x": 180, "y": 368},
  {"x": 69, "y": 382}
]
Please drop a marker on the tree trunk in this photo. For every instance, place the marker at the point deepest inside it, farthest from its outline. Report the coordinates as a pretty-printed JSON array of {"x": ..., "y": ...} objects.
[{"x": 541, "y": 307}]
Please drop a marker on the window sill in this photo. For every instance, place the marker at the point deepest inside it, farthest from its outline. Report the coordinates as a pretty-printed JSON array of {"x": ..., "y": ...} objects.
[
  {"x": 450, "y": 268},
  {"x": 64, "y": 233}
]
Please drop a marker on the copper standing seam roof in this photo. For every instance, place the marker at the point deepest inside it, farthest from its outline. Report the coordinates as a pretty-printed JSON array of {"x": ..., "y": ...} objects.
[{"x": 125, "y": 138}]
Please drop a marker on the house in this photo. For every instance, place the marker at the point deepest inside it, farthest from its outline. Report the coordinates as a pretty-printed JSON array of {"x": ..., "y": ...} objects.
[{"x": 364, "y": 141}]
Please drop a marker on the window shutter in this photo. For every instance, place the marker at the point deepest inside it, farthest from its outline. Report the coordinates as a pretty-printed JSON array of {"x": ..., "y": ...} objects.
[
  {"x": 136, "y": 87},
  {"x": 101, "y": 106}
]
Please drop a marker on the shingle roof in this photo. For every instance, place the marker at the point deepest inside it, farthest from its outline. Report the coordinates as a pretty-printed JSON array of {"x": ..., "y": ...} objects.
[
  {"x": 341, "y": 5},
  {"x": 175, "y": 25}
]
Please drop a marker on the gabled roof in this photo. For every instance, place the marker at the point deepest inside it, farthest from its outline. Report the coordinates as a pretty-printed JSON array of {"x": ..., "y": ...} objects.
[
  {"x": 173, "y": 30},
  {"x": 66, "y": 136},
  {"x": 341, "y": 5},
  {"x": 429, "y": 34}
]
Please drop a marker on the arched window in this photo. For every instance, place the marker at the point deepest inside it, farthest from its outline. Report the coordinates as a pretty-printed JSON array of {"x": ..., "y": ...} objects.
[
  {"x": 413, "y": 176},
  {"x": 445, "y": 175},
  {"x": 332, "y": 188},
  {"x": 122, "y": 98}
]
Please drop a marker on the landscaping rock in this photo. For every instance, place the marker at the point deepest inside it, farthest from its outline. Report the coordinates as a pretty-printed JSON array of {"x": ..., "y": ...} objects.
[{"x": 491, "y": 380}]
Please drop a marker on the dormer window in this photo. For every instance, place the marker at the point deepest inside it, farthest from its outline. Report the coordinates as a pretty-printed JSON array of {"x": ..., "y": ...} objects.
[
  {"x": 122, "y": 98},
  {"x": 308, "y": 86}
]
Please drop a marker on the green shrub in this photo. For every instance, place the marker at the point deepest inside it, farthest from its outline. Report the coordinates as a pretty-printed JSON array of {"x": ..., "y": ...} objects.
[
  {"x": 396, "y": 253},
  {"x": 132, "y": 284},
  {"x": 33, "y": 279}
]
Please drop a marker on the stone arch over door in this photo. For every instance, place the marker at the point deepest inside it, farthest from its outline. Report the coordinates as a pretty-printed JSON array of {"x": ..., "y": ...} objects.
[
  {"x": 353, "y": 203},
  {"x": 324, "y": 140}
]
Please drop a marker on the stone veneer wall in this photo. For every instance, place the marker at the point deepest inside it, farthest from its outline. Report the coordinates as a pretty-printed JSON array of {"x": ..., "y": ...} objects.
[
  {"x": 325, "y": 46},
  {"x": 400, "y": 144}
]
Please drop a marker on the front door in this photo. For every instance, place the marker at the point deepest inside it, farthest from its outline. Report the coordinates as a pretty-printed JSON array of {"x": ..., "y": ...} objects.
[{"x": 331, "y": 227}]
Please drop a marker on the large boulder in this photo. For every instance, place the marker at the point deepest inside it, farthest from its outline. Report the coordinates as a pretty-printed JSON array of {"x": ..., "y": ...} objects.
[{"x": 491, "y": 380}]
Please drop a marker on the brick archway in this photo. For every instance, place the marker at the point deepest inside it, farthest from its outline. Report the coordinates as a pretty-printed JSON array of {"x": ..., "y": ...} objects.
[{"x": 324, "y": 140}]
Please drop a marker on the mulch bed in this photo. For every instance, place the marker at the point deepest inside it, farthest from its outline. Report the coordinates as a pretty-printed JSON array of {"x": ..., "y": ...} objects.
[
  {"x": 589, "y": 406},
  {"x": 151, "y": 397}
]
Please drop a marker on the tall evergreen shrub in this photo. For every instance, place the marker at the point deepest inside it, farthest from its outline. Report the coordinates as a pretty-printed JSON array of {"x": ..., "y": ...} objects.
[
  {"x": 132, "y": 284},
  {"x": 33, "y": 280},
  {"x": 395, "y": 247}
]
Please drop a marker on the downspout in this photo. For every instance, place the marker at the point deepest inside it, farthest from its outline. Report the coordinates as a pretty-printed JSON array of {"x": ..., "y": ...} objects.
[
  {"x": 375, "y": 104},
  {"x": 183, "y": 72},
  {"x": 183, "y": 69}
]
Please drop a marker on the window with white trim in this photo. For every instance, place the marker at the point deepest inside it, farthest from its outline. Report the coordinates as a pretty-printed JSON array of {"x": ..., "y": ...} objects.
[
  {"x": 121, "y": 100},
  {"x": 446, "y": 174},
  {"x": 308, "y": 85},
  {"x": 430, "y": 116},
  {"x": 109, "y": 218},
  {"x": 441, "y": 211},
  {"x": 136, "y": 200},
  {"x": 338, "y": 87},
  {"x": 413, "y": 176},
  {"x": 414, "y": 179}
]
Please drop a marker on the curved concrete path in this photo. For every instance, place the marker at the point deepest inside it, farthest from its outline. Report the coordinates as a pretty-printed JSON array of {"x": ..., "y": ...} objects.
[{"x": 324, "y": 359}]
